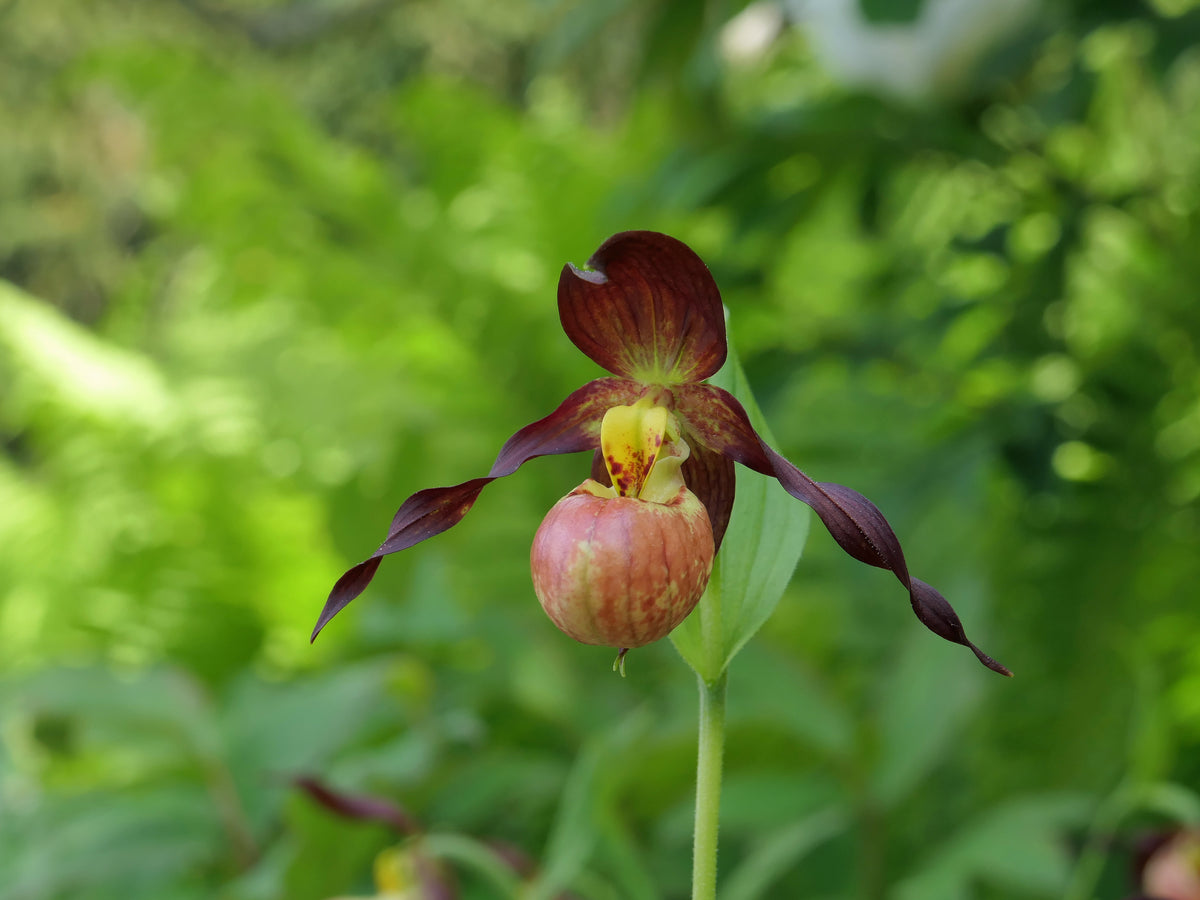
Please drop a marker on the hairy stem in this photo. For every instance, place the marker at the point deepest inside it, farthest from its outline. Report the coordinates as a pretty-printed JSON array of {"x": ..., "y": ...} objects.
[{"x": 708, "y": 787}]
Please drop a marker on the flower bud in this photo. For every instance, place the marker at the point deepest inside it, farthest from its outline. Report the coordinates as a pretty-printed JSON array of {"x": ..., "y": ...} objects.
[{"x": 622, "y": 566}]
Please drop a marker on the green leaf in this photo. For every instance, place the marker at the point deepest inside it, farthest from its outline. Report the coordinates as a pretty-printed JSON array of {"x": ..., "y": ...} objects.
[
  {"x": 808, "y": 710},
  {"x": 1175, "y": 801},
  {"x": 272, "y": 730},
  {"x": 922, "y": 703},
  {"x": 891, "y": 12},
  {"x": 141, "y": 840},
  {"x": 474, "y": 855},
  {"x": 623, "y": 859},
  {"x": 780, "y": 852},
  {"x": 584, "y": 809},
  {"x": 761, "y": 548},
  {"x": 1018, "y": 847}
]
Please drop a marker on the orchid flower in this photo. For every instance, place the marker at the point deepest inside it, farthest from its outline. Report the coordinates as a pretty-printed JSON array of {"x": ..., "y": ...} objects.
[{"x": 647, "y": 310}]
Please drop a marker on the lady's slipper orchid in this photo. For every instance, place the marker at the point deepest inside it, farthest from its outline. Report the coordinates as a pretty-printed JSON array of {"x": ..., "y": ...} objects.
[
  {"x": 622, "y": 564},
  {"x": 647, "y": 310}
]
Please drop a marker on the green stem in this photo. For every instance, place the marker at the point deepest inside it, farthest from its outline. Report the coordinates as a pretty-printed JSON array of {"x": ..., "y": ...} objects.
[{"x": 708, "y": 787}]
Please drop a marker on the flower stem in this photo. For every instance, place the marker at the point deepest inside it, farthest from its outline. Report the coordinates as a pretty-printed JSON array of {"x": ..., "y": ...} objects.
[{"x": 708, "y": 787}]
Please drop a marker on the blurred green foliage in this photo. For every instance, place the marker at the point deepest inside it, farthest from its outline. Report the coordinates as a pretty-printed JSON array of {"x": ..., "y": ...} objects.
[{"x": 268, "y": 267}]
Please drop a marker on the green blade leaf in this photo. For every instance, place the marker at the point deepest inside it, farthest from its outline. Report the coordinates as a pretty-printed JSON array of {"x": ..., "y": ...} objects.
[
  {"x": 782, "y": 851},
  {"x": 761, "y": 548},
  {"x": 585, "y": 806},
  {"x": 1017, "y": 848},
  {"x": 924, "y": 700}
]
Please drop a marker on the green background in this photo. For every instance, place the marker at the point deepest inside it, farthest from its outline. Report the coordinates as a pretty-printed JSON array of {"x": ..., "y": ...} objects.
[{"x": 266, "y": 268}]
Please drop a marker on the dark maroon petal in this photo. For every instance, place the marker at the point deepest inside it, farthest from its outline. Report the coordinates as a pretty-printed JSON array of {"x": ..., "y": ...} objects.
[
  {"x": 646, "y": 307},
  {"x": 712, "y": 478},
  {"x": 719, "y": 421},
  {"x": 574, "y": 426},
  {"x": 361, "y": 807},
  {"x": 939, "y": 617}
]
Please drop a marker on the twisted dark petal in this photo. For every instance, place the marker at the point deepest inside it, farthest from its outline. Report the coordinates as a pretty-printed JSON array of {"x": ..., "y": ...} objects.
[
  {"x": 854, "y": 521},
  {"x": 646, "y": 307},
  {"x": 719, "y": 421},
  {"x": 361, "y": 807},
  {"x": 574, "y": 426},
  {"x": 939, "y": 617}
]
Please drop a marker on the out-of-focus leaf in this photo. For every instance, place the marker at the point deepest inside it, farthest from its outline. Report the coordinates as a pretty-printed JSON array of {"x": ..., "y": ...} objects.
[
  {"x": 164, "y": 703},
  {"x": 1177, "y": 801},
  {"x": 808, "y": 709},
  {"x": 922, "y": 702},
  {"x": 623, "y": 858},
  {"x": 579, "y": 821},
  {"x": 1021, "y": 846},
  {"x": 48, "y": 353},
  {"x": 780, "y": 852},
  {"x": 275, "y": 731},
  {"x": 142, "y": 840},
  {"x": 756, "y": 802},
  {"x": 506, "y": 784},
  {"x": 891, "y": 12},
  {"x": 475, "y": 856}
]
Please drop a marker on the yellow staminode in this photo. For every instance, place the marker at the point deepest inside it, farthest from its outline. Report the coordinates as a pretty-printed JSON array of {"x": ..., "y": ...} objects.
[
  {"x": 394, "y": 872},
  {"x": 643, "y": 451}
]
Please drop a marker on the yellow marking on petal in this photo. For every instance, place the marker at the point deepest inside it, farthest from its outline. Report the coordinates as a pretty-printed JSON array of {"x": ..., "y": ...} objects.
[
  {"x": 631, "y": 438},
  {"x": 393, "y": 871},
  {"x": 643, "y": 451},
  {"x": 666, "y": 478}
]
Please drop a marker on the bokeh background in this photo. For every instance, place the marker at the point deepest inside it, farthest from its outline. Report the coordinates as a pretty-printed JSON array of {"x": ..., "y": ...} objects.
[{"x": 269, "y": 266}]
